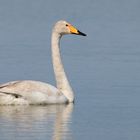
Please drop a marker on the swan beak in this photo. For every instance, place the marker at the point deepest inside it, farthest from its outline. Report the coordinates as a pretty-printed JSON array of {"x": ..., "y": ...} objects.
[
  {"x": 80, "y": 33},
  {"x": 73, "y": 30}
]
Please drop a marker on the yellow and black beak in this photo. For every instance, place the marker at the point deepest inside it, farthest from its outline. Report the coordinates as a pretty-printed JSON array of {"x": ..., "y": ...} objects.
[
  {"x": 80, "y": 33},
  {"x": 73, "y": 30}
]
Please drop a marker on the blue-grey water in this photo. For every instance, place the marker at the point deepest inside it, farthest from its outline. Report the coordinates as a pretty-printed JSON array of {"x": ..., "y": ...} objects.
[{"x": 103, "y": 68}]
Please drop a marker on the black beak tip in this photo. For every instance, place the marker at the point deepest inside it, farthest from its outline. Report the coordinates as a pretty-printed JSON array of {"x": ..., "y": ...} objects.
[{"x": 80, "y": 33}]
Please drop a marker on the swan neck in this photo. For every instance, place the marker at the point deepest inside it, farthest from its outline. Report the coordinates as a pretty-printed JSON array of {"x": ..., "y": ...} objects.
[{"x": 61, "y": 79}]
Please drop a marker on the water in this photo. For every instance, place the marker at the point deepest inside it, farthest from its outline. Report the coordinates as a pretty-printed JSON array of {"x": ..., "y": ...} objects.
[
  {"x": 103, "y": 68},
  {"x": 31, "y": 122}
]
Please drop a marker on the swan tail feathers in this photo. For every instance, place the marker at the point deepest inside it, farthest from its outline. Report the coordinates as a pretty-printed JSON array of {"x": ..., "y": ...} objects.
[{"x": 12, "y": 99}]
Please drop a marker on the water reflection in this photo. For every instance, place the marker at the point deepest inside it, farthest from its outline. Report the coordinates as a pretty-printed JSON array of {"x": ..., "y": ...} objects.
[{"x": 39, "y": 122}]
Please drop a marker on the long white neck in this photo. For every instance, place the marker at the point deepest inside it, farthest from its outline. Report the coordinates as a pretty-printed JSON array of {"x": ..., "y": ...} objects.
[{"x": 60, "y": 75}]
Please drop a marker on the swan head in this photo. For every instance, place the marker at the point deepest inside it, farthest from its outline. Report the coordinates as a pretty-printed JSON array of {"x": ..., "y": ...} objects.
[{"x": 63, "y": 27}]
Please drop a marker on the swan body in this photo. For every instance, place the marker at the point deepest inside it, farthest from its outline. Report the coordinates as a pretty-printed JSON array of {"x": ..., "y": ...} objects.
[
  {"x": 30, "y": 92},
  {"x": 35, "y": 92}
]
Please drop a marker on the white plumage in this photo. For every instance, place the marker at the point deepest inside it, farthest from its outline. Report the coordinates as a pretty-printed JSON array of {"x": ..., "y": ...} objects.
[{"x": 35, "y": 92}]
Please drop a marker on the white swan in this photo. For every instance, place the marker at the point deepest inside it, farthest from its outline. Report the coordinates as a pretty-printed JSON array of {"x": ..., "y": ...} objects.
[{"x": 35, "y": 92}]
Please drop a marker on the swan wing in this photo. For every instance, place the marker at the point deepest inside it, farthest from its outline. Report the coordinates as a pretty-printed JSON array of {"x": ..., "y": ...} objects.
[{"x": 30, "y": 92}]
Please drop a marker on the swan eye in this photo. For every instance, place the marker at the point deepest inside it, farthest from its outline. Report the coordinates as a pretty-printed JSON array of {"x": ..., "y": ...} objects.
[{"x": 66, "y": 24}]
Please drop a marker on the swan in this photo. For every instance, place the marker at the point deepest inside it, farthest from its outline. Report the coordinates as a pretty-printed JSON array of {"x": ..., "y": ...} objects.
[{"x": 29, "y": 92}]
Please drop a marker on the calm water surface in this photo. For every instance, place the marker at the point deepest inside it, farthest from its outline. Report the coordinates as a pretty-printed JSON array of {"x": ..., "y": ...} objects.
[
  {"x": 31, "y": 122},
  {"x": 103, "y": 68}
]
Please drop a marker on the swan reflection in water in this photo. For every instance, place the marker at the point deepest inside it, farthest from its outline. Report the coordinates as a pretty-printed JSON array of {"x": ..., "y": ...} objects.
[{"x": 36, "y": 122}]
